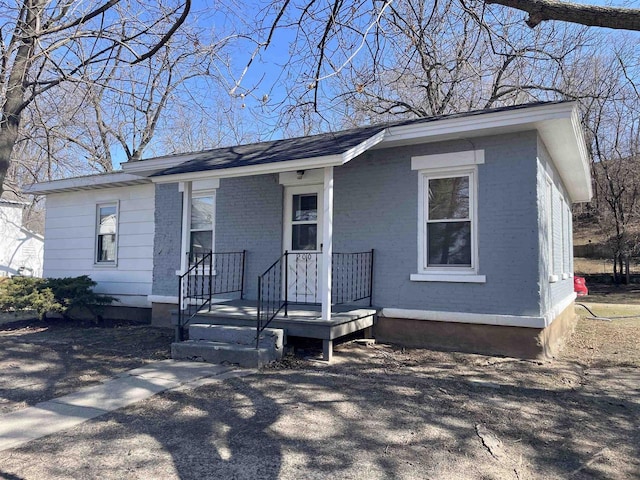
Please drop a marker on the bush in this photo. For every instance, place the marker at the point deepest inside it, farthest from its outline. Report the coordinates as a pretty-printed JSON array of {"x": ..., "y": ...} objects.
[{"x": 53, "y": 295}]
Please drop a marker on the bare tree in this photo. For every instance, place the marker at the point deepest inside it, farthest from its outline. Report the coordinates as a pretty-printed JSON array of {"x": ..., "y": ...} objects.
[{"x": 48, "y": 43}]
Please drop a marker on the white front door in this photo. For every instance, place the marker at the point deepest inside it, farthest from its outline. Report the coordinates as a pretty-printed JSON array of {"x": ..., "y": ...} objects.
[{"x": 302, "y": 239}]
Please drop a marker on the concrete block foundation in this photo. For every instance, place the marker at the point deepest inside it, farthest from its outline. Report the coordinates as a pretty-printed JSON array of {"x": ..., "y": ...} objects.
[
  {"x": 519, "y": 342},
  {"x": 161, "y": 314}
]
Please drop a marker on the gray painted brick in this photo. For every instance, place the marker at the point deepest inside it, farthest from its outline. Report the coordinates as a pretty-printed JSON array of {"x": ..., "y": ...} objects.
[
  {"x": 167, "y": 239},
  {"x": 376, "y": 206},
  {"x": 249, "y": 217}
]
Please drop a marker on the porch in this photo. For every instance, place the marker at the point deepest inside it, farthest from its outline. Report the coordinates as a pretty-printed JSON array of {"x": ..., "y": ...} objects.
[
  {"x": 299, "y": 321},
  {"x": 212, "y": 292}
]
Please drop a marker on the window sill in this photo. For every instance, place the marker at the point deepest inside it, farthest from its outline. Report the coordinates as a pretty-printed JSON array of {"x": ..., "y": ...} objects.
[
  {"x": 105, "y": 265},
  {"x": 553, "y": 278},
  {"x": 565, "y": 276},
  {"x": 448, "y": 277}
]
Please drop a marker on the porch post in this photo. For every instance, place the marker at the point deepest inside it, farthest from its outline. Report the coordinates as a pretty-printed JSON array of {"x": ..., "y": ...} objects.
[
  {"x": 185, "y": 188},
  {"x": 327, "y": 243}
]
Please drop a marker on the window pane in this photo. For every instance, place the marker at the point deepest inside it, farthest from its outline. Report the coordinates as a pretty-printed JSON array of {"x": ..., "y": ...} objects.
[
  {"x": 449, "y": 243},
  {"x": 448, "y": 198},
  {"x": 107, "y": 220},
  {"x": 201, "y": 213},
  {"x": 200, "y": 243},
  {"x": 304, "y": 237},
  {"x": 106, "y": 248},
  {"x": 305, "y": 207}
]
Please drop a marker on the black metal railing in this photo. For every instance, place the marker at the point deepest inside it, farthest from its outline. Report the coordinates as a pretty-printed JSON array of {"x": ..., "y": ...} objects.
[
  {"x": 294, "y": 279},
  {"x": 271, "y": 293},
  {"x": 209, "y": 274},
  {"x": 352, "y": 277}
]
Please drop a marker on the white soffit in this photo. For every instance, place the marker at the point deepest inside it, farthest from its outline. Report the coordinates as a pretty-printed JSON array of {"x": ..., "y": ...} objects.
[{"x": 91, "y": 182}]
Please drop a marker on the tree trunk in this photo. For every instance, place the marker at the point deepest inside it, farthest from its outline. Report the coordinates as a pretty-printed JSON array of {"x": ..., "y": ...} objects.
[
  {"x": 14, "y": 103},
  {"x": 8, "y": 137},
  {"x": 627, "y": 276}
]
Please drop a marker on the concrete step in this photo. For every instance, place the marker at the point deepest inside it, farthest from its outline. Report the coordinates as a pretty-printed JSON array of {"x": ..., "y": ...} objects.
[
  {"x": 220, "y": 352},
  {"x": 238, "y": 335}
]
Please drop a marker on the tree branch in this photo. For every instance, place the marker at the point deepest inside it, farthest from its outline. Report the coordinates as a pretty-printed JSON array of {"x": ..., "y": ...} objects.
[{"x": 589, "y": 15}]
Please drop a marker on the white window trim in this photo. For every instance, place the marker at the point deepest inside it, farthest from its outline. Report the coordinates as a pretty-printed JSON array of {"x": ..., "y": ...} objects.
[
  {"x": 190, "y": 190},
  {"x": 550, "y": 197},
  {"x": 461, "y": 274},
  {"x": 212, "y": 227},
  {"x": 96, "y": 262}
]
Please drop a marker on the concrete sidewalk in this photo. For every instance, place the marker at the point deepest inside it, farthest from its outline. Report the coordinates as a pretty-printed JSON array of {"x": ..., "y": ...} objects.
[{"x": 45, "y": 418}]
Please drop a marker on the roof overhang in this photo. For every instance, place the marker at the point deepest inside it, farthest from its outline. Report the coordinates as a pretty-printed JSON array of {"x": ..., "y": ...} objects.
[
  {"x": 90, "y": 182},
  {"x": 557, "y": 124},
  {"x": 265, "y": 168}
]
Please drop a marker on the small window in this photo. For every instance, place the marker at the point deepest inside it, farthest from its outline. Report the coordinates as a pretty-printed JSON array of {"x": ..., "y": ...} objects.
[
  {"x": 304, "y": 222},
  {"x": 201, "y": 226},
  {"x": 106, "y": 233}
]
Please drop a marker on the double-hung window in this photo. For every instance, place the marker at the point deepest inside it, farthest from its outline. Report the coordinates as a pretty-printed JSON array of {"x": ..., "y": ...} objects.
[
  {"x": 106, "y": 233},
  {"x": 201, "y": 225},
  {"x": 447, "y": 217},
  {"x": 448, "y": 223}
]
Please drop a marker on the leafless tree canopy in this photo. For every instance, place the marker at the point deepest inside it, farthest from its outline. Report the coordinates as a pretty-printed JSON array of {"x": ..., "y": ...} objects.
[{"x": 49, "y": 44}]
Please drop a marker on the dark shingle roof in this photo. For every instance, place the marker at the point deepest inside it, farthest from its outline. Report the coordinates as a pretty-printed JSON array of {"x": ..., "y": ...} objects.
[{"x": 325, "y": 144}]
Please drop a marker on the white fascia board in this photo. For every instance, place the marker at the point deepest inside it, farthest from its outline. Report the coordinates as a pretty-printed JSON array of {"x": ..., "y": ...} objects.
[
  {"x": 363, "y": 147},
  {"x": 477, "y": 125},
  {"x": 565, "y": 142},
  {"x": 262, "y": 169},
  {"x": 118, "y": 179}
]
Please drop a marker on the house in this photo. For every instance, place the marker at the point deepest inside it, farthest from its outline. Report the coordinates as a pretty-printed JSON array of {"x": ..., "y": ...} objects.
[
  {"x": 21, "y": 250},
  {"x": 456, "y": 229}
]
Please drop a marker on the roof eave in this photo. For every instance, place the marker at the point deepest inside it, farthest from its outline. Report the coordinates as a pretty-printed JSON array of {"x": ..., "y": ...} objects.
[
  {"x": 558, "y": 125},
  {"x": 247, "y": 170},
  {"x": 118, "y": 179}
]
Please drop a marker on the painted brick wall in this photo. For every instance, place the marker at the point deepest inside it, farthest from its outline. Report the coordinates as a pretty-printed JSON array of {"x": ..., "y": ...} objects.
[
  {"x": 166, "y": 243},
  {"x": 376, "y": 206},
  {"x": 249, "y": 217}
]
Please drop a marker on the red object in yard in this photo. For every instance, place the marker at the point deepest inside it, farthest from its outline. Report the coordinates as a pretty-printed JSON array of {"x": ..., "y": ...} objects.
[{"x": 580, "y": 286}]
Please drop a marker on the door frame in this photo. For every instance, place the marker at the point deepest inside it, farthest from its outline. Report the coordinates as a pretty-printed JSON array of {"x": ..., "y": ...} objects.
[{"x": 289, "y": 192}]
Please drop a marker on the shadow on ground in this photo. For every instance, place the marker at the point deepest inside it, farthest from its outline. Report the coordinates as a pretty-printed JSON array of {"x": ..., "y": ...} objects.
[
  {"x": 42, "y": 361},
  {"x": 377, "y": 413}
]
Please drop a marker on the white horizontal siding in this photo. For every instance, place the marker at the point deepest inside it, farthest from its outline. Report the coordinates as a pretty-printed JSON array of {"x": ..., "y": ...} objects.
[{"x": 70, "y": 239}]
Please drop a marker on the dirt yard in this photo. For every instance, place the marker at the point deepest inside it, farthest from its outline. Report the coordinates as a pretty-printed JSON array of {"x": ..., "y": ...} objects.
[
  {"x": 40, "y": 361},
  {"x": 377, "y": 412}
]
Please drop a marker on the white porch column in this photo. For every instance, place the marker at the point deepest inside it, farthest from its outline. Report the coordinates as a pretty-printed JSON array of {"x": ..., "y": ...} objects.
[
  {"x": 185, "y": 188},
  {"x": 327, "y": 243}
]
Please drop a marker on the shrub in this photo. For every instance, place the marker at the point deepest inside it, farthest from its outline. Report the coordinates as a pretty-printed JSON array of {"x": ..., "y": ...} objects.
[
  {"x": 26, "y": 293},
  {"x": 53, "y": 295}
]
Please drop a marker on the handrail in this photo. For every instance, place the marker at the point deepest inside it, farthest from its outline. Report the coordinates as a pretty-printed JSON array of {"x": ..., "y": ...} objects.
[
  {"x": 271, "y": 301},
  {"x": 351, "y": 280},
  {"x": 213, "y": 273}
]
